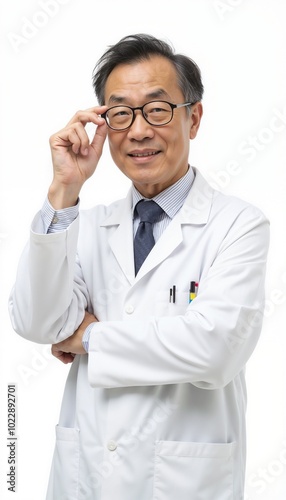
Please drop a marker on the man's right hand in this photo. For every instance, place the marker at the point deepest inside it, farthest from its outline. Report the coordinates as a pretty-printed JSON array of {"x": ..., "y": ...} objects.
[{"x": 74, "y": 158}]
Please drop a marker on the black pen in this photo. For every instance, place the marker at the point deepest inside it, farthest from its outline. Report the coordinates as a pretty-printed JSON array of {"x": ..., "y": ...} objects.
[
  {"x": 170, "y": 296},
  {"x": 174, "y": 294}
]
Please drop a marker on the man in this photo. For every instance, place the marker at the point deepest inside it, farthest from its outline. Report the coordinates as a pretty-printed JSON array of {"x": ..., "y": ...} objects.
[{"x": 156, "y": 409}]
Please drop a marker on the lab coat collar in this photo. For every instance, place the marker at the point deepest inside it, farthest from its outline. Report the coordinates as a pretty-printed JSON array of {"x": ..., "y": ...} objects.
[
  {"x": 197, "y": 207},
  {"x": 195, "y": 211}
]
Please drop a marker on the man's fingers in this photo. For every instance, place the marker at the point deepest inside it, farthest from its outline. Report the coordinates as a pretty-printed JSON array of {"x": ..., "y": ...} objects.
[
  {"x": 91, "y": 115},
  {"x": 64, "y": 357},
  {"x": 99, "y": 139},
  {"x": 75, "y": 136}
]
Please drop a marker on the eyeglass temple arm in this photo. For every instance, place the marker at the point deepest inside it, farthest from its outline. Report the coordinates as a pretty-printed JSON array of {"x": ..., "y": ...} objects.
[{"x": 184, "y": 104}]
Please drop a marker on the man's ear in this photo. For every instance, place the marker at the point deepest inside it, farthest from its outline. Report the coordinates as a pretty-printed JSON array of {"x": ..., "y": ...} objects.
[{"x": 195, "y": 119}]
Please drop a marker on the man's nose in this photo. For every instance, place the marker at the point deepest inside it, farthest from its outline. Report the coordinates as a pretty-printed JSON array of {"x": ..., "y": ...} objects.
[{"x": 140, "y": 128}]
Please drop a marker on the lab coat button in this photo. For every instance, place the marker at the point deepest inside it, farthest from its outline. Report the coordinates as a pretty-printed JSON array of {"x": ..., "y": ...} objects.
[
  {"x": 129, "y": 309},
  {"x": 111, "y": 445}
]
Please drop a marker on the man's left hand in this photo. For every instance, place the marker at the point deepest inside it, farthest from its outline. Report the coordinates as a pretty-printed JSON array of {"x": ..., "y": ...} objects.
[{"x": 66, "y": 350}]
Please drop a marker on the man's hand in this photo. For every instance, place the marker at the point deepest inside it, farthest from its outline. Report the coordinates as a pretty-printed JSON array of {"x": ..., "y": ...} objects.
[
  {"x": 74, "y": 157},
  {"x": 66, "y": 350}
]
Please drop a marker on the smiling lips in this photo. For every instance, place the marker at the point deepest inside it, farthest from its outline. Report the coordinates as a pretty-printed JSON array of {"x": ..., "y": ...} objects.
[{"x": 143, "y": 154}]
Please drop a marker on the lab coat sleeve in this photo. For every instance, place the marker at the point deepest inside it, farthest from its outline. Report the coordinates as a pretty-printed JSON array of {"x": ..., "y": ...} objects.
[
  {"x": 208, "y": 345},
  {"x": 49, "y": 298}
]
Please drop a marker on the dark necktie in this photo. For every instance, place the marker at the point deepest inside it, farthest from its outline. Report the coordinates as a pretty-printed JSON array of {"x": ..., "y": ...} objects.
[{"x": 148, "y": 212}]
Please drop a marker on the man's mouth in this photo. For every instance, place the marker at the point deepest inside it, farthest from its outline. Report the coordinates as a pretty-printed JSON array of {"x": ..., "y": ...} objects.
[{"x": 145, "y": 154}]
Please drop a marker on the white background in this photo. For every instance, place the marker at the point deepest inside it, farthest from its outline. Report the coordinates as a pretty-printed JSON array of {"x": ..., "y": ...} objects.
[{"x": 48, "y": 54}]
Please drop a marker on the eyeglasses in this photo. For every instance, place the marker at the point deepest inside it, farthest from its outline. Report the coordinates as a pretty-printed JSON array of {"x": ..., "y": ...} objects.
[{"x": 156, "y": 113}]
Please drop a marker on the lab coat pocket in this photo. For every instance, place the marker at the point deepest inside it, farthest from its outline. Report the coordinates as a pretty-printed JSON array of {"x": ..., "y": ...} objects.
[
  {"x": 168, "y": 304},
  {"x": 66, "y": 464},
  {"x": 200, "y": 471}
]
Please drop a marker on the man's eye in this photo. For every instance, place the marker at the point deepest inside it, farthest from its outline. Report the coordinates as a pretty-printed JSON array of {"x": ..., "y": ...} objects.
[
  {"x": 157, "y": 110},
  {"x": 121, "y": 113}
]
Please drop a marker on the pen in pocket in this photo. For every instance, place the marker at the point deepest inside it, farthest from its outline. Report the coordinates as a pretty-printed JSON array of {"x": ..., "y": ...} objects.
[
  {"x": 192, "y": 291},
  {"x": 172, "y": 294}
]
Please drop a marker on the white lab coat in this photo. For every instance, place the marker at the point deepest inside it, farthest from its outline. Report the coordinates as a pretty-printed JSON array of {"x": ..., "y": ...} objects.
[{"x": 156, "y": 411}]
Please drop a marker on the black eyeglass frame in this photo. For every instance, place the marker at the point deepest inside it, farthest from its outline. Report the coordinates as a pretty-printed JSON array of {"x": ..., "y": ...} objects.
[{"x": 141, "y": 108}]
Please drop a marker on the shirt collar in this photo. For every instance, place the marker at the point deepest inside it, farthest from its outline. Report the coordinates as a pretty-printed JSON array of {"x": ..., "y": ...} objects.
[{"x": 172, "y": 198}]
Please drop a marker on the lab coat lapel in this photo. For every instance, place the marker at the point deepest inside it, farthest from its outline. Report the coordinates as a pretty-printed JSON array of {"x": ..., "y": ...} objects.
[
  {"x": 121, "y": 240},
  {"x": 166, "y": 244}
]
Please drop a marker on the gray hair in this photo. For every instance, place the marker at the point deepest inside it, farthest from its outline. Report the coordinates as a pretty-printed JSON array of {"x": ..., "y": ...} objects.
[{"x": 141, "y": 47}]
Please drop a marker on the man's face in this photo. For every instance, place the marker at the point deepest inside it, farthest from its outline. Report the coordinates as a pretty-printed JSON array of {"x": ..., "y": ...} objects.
[{"x": 165, "y": 149}]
